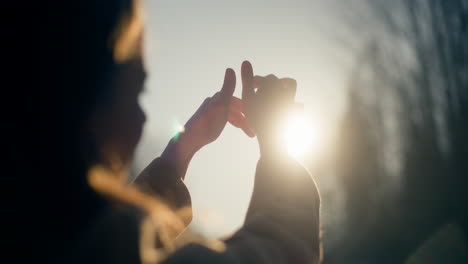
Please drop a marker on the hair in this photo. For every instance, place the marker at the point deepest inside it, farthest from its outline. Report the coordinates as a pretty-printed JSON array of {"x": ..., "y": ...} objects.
[
  {"x": 100, "y": 39},
  {"x": 93, "y": 37}
]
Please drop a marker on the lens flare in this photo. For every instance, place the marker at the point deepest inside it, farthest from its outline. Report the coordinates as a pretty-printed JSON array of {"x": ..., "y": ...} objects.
[
  {"x": 300, "y": 136},
  {"x": 177, "y": 130}
]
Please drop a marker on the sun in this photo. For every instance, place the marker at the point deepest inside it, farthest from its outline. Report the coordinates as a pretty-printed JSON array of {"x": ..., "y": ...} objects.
[{"x": 300, "y": 136}]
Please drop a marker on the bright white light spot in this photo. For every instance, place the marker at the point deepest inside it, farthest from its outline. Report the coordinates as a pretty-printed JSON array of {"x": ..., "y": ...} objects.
[
  {"x": 181, "y": 129},
  {"x": 300, "y": 136},
  {"x": 178, "y": 128}
]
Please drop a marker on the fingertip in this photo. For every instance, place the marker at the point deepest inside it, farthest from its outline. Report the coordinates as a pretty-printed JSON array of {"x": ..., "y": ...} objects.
[
  {"x": 229, "y": 84},
  {"x": 230, "y": 74},
  {"x": 248, "y": 132},
  {"x": 247, "y": 67},
  {"x": 229, "y": 79}
]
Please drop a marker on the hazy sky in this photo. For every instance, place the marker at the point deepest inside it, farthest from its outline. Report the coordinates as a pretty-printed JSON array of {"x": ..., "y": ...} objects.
[{"x": 189, "y": 44}]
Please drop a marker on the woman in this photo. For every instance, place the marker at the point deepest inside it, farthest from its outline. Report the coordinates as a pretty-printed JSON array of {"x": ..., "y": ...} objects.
[{"x": 103, "y": 220}]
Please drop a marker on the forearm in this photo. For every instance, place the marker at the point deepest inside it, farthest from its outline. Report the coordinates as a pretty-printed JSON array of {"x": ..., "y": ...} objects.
[
  {"x": 161, "y": 180},
  {"x": 170, "y": 167},
  {"x": 282, "y": 185},
  {"x": 286, "y": 197}
]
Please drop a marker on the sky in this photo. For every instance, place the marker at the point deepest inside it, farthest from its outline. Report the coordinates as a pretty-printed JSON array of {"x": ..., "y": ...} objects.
[{"x": 188, "y": 46}]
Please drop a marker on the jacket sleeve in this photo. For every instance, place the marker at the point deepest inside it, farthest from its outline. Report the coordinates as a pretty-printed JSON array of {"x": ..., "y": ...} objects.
[
  {"x": 161, "y": 180},
  {"x": 281, "y": 225}
]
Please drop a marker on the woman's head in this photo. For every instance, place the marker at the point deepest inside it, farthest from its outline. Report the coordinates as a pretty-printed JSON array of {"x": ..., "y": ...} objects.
[{"x": 104, "y": 77}]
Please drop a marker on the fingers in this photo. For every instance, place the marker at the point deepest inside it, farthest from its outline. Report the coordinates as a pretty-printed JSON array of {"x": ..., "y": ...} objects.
[
  {"x": 289, "y": 83},
  {"x": 205, "y": 102},
  {"x": 271, "y": 77},
  {"x": 240, "y": 121},
  {"x": 237, "y": 119},
  {"x": 290, "y": 87},
  {"x": 259, "y": 81},
  {"x": 285, "y": 87},
  {"x": 236, "y": 104},
  {"x": 247, "y": 81},
  {"x": 266, "y": 81},
  {"x": 229, "y": 85}
]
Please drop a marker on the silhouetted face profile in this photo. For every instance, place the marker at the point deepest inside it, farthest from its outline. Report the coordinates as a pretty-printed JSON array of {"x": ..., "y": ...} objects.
[{"x": 116, "y": 126}]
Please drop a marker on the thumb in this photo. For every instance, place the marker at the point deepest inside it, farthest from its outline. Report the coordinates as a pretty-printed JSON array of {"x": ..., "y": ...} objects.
[{"x": 229, "y": 85}]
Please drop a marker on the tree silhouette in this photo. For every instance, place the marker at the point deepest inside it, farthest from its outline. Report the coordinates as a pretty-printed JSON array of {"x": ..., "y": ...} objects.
[{"x": 402, "y": 149}]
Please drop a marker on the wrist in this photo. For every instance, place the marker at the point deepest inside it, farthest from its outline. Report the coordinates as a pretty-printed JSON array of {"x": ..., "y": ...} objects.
[
  {"x": 271, "y": 148},
  {"x": 179, "y": 153}
]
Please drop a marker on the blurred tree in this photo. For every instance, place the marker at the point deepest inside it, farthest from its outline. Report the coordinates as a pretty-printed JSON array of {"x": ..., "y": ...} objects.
[{"x": 402, "y": 151}]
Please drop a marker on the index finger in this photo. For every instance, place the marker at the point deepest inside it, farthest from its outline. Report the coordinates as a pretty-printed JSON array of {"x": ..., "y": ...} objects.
[
  {"x": 229, "y": 84},
  {"x": 247, "y": 81}
]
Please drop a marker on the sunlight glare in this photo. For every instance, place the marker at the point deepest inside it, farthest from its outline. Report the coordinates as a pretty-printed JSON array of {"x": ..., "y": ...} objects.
[{"x": 300, "y": 136}]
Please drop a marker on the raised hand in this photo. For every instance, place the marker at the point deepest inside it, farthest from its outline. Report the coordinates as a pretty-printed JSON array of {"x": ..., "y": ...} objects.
[
  {"x": 267, "y": 102},
  {"x": 208, "y": 122}
]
